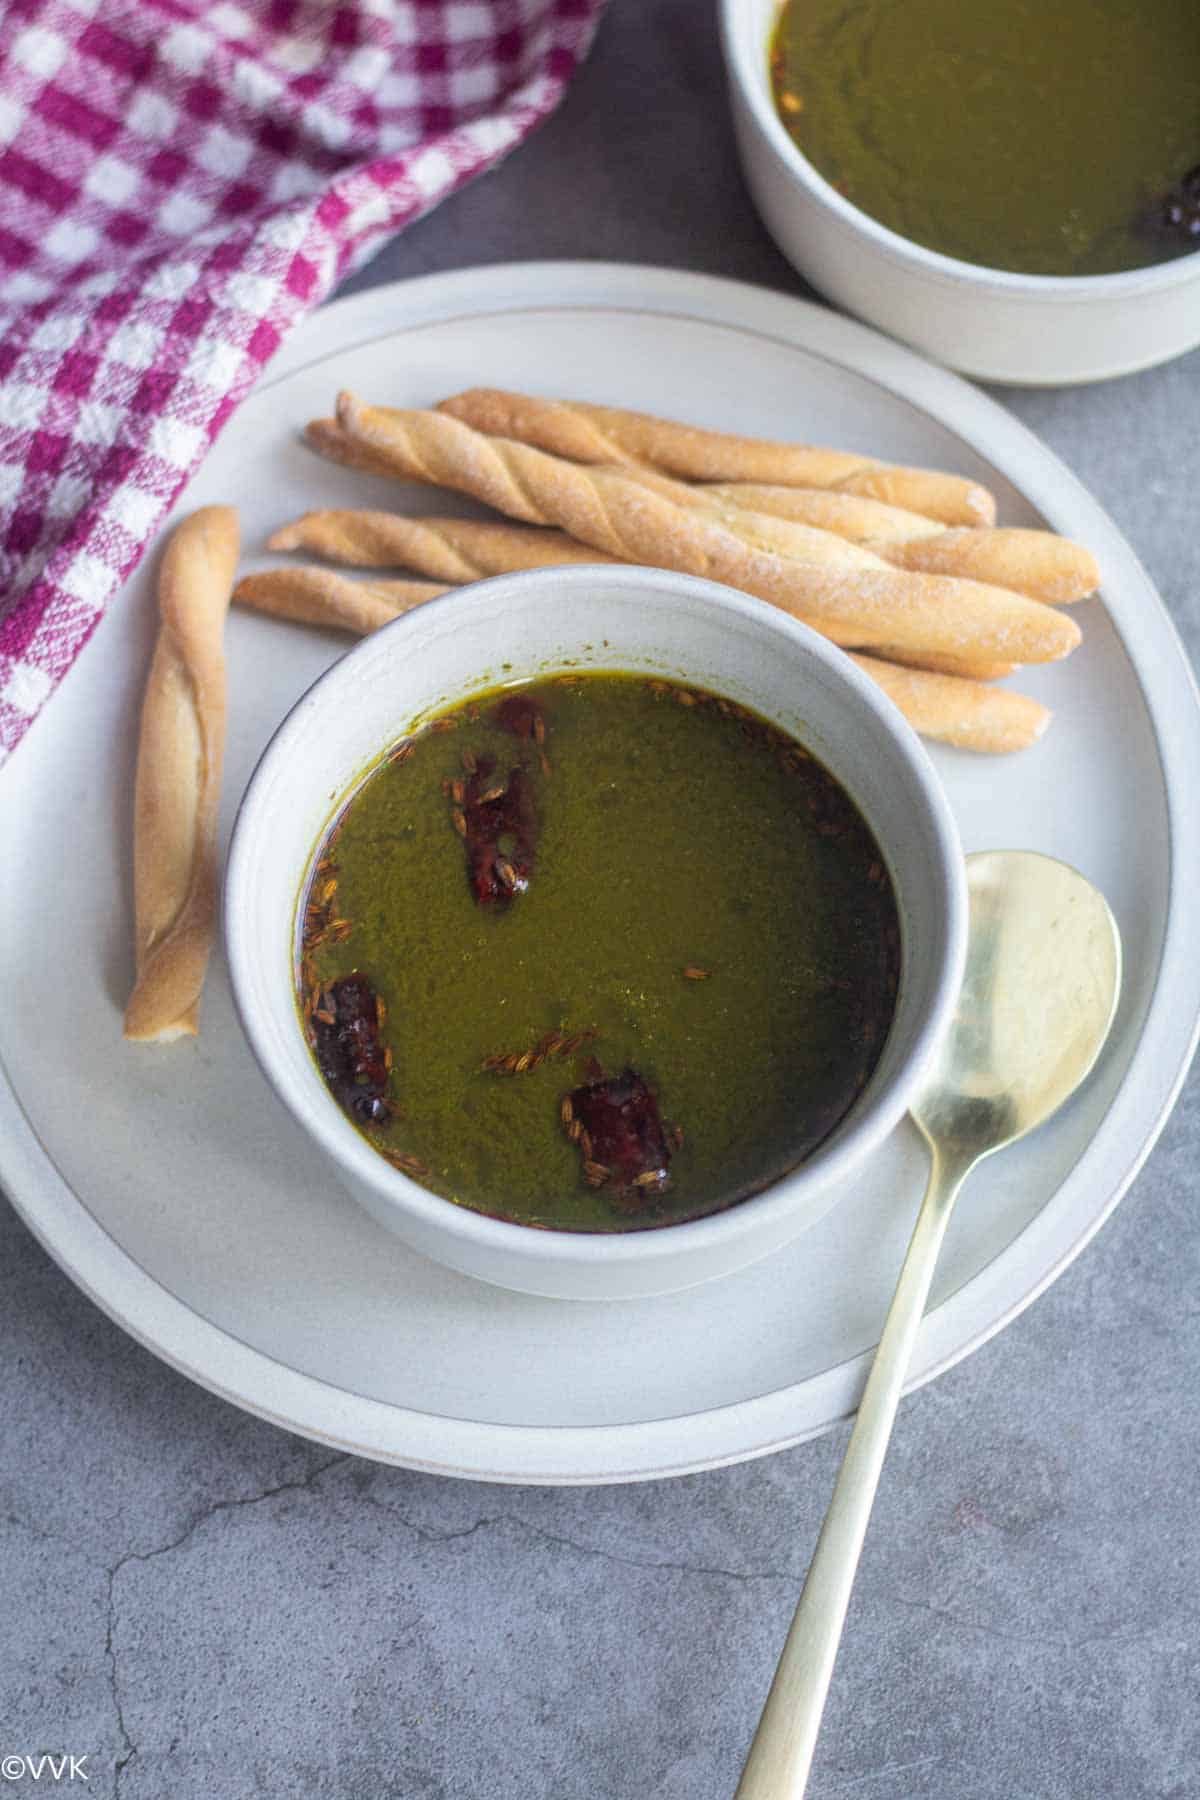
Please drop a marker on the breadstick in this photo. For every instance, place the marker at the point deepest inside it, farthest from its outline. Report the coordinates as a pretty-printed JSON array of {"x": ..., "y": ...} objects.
[
  {"x": 178, "y": 781},
  {"x": 609, "y": 434},
  {"x": 614, "y": 512},
  {"x": 321, "y": 597},
  {"x": 448, "y": 549},
  {"x": 964, "y": 713}
]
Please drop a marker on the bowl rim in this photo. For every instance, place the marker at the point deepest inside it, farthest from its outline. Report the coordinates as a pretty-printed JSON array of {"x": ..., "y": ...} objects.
[
  {"x": 352, "y": 1154},
  {"x": 952, "y": 271}
]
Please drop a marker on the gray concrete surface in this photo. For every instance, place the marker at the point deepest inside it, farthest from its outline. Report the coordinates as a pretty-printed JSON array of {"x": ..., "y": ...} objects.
[{"x": 207, "y": 1607}]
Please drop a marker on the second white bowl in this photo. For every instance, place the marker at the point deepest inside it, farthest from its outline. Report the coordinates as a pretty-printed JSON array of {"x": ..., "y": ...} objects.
[{"x": 999, "y": 326}]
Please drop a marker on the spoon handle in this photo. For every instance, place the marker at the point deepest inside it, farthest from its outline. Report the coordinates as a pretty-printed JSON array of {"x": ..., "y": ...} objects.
[{"x": 781, "y": 1755}]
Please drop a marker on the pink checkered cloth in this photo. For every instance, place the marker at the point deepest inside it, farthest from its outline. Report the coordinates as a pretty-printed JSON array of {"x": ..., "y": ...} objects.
[{"x": 180, "y": 181}]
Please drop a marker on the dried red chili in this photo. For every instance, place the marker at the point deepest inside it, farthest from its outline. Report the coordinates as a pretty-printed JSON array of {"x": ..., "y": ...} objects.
[
  {"x": 349, "y": 1048},
  {"x": 621, "y": 1136},
  {"x": 499, "y": 829}
]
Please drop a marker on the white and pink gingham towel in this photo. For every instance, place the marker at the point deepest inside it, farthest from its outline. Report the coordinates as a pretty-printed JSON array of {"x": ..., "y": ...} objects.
[{"x": 180, "y": 181}]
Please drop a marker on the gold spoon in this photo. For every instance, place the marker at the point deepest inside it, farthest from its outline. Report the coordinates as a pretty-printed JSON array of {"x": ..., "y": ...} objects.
[{"x": 1039, "y": 993}]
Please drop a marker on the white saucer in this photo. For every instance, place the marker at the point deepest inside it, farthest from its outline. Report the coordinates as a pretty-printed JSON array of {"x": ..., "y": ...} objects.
[{"x": 169, "y": 1183}]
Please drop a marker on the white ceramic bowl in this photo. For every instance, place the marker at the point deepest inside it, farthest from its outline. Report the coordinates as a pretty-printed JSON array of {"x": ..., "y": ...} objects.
[
  {"x": 990, "y": 323},
  {"x": 517, "y": 628}
]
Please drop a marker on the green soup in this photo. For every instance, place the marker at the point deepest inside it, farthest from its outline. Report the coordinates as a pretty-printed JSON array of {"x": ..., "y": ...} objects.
[
  {"x": 1051, "y": 139},
  {"x": 602, "y": 954}
]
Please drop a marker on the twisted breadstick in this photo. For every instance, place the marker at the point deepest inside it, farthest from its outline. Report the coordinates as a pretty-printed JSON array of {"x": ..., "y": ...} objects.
[
  {"x": 178, "y": 781},
  {"x": 319, "y": 597},
  {"x": 609, "y": 434},
  {"x": 611, "y": 511},
  {"x": 448, "y": 549},
  {"x": 1037, "y": 563},
  {"x": 964, "y": 713}
]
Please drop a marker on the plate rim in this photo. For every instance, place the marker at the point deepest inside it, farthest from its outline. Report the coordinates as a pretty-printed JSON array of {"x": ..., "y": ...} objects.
[{"x": 581, "y": 1455}]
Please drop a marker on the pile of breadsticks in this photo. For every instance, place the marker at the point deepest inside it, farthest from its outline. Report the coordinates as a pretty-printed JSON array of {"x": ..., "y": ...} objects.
[{"x": 904, "y": 568}]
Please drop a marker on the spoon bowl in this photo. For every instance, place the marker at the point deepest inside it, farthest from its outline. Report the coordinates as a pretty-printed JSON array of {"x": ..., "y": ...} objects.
[{"x": 1040, "y": 988}]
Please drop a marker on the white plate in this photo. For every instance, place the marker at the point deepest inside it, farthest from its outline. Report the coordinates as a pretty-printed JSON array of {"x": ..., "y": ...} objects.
[{"x": 168, "y": 1182}]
